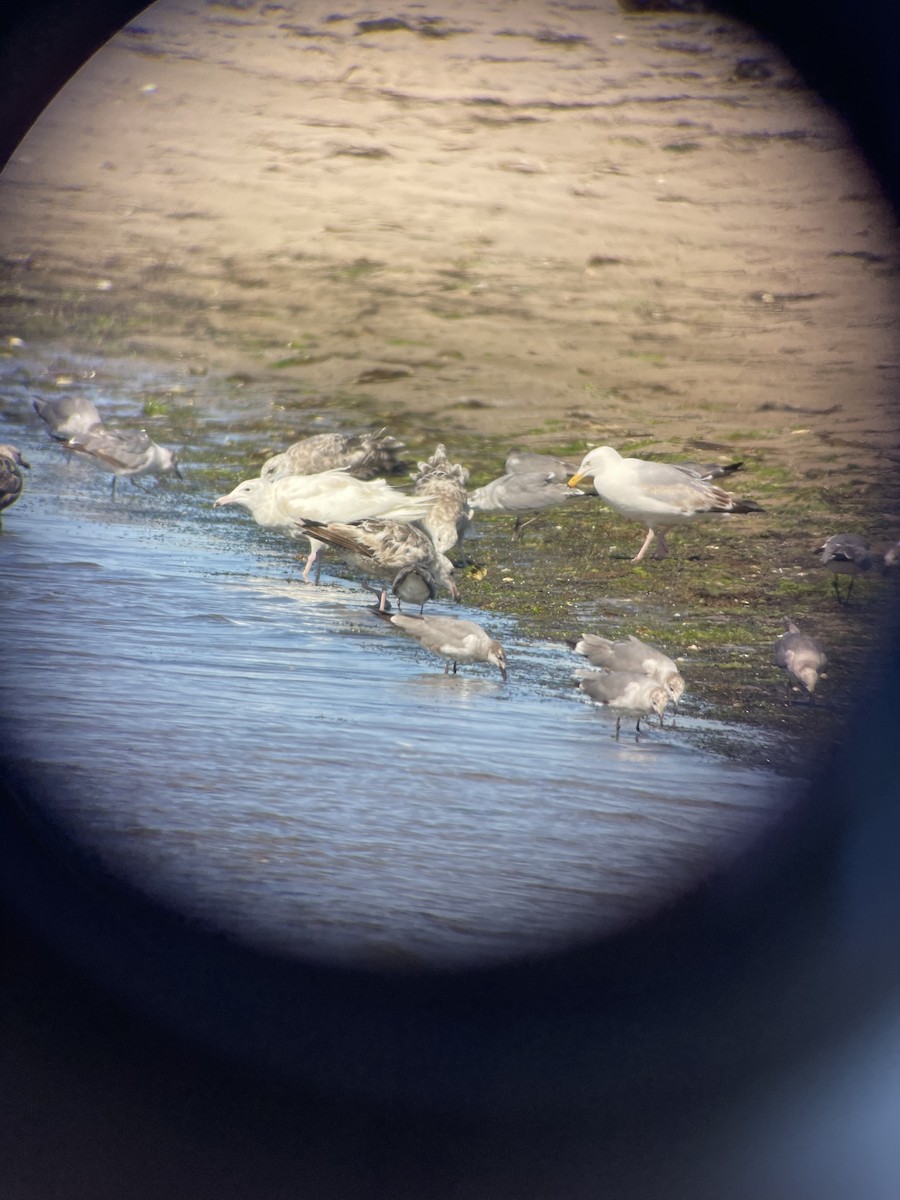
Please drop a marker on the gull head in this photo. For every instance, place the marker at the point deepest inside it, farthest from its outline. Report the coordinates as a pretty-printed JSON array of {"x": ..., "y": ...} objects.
[
  {"x": 247, "y": 493},
  {"x": 674, "y": 685},
  {"x": 659, "y": 699},
  {"x": 594, "y": 463},
  {"x": 168, "y": 462},
  {"x": 497, "y": 656},
  {"x": 273, "y": 466},
  {"x": 809, "y": 677}
]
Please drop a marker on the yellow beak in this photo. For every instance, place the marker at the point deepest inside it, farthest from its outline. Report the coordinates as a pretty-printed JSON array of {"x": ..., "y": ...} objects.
[{"x": 575, "y": 480}]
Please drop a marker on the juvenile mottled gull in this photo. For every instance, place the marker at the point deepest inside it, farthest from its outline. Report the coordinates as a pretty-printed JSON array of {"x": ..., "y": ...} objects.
[
  {"x": 801, "y": 656},
  {"x": 365, "y": 455},
  {"x": 520, "y": 493},
  {"x": 628, "y": 694},
  {"x": 127, "y": 453},
  {"x": 632, "y": 655},
  {"x": 845, "y": 554},
  {"x": 381, "y": 548},
  {"x": 11, "y": 480},
  {"x": 656, "y": 494},
  {"x": 66, "y": 416},
  {"x": 444, "y": 481},
  {"x": 329, "y": 496},
  {"x": 456, "y": 640},
  {"x": 520, "y": 461}
]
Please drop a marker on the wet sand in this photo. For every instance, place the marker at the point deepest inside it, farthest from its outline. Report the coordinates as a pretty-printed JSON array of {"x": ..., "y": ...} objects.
[{"x": 523, "y": 219}]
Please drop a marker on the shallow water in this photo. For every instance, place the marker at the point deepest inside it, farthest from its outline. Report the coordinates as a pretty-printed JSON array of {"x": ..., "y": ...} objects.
[{"x": 268, "y": 756}]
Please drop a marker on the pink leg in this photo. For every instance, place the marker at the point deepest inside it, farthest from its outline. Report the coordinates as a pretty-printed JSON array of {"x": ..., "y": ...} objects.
[{"x": 646, "y": 546}]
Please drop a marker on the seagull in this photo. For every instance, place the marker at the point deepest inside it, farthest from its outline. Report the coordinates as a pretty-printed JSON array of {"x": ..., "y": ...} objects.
[
  {"x": 414, "y": 584},
  {"x": 654, "y": 493},
  {"x": 11, "y": 479},
  {"x": 520, "y": 461},
  {"x": 365, "y": 455},
  {"x": 801, "y": 656},
  {"x": 382, "y": 547},
  {"x": 520, "y": 493},
  {"x": 127, "y": 453},
  {"x": 627, "y": 693},
  {"x": 456, "y": 640},
  {"x": 632, "y": 655},
  {"x": 448, "y": 517},
  {"x": 334, "y": 495},
  {"x": 68, "y": 416},
  {"x": 845, "y": 554},
  {"x": 75, "y": 422}
]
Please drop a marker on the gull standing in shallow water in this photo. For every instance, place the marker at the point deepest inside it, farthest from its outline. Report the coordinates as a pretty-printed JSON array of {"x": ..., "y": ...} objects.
[
  {"x": 11, "y": 480},
  {"x": 456, "y": 640},
  {"x": 329, "y": 496},
  {"x": 365, "y": 455},
  {"x": 801, "y": 656},
  {"x": 632, "y": 655},
  {"x": 656, "y": 494},
  {"x": 628, "y": 694},
  {"x": 845, "y": 554},
  {"x": 381, "y": 548},
  {"x": 520, "y": 493},
  {"x": 126, "y": 452},
  {"x": 414, "y": 584}
]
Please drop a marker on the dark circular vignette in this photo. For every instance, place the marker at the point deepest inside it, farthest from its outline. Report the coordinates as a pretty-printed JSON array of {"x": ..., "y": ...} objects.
[{"x": 755, "y": 971}]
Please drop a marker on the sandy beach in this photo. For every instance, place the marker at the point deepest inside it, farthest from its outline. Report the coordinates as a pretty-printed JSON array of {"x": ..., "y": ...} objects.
[{"x": 531, "y": 220}]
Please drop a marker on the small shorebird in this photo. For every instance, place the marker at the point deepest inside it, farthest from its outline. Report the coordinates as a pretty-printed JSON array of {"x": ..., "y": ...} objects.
[
  {"x": 801, "y": 656},
  {"x": 654, "y": 493},
  {"x": 628, "y": 694},
  {"x": 365, "y": 455},
  {"x": 456, "y": 640}
]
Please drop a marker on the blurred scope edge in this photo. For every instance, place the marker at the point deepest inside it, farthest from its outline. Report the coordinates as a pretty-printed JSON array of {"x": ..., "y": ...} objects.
[{"x": 815, "y": 919}]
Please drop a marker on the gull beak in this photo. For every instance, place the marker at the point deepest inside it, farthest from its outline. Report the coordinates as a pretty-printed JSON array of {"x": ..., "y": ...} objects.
[
  {"x": 503, "y": 672},
  {"x": 575, "y": 479},
  {"x": 177, "y": 471},
  {"x": 221, "y": 500}
]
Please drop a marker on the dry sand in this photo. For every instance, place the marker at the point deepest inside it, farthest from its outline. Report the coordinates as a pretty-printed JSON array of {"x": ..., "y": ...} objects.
[{"x": 544, "y": 220}]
